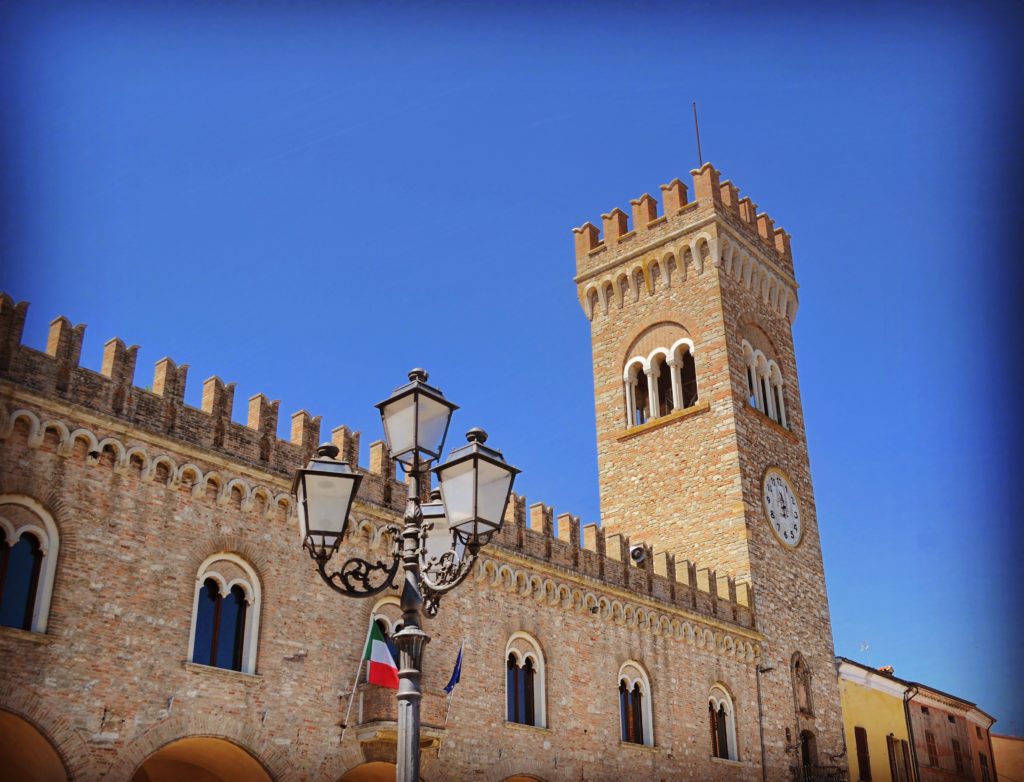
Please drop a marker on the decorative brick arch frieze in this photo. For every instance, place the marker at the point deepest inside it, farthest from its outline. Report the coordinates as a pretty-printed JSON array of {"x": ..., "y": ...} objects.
[
  {"x": 249, "y": 736},
  {"x": 54, "y": 726},
  {"x": 574, "y": 597},
  {"x": 124, "y": 456},
  {"x": 759, "y": 276},
  {"x": 648, "y": 272}
]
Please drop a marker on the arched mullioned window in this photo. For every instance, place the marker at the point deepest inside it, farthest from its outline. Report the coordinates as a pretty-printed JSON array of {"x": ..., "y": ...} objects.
[
  {"x": 660, "y": 383},
  {"x": 722, "y": 722},
  {"x": 226, "y": 614},
  {"x": 635, "y": 721},
  {"x": 524, "y": 681},
  {"x": 29, "y": 543},
  {"x": 765, "y": 387},
  {"x": 802, "y": 684},
  {"x": 387, "y": 615}
]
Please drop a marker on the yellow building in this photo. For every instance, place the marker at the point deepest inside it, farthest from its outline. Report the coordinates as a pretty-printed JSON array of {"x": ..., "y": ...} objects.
[{"x": 875, "y": 724}]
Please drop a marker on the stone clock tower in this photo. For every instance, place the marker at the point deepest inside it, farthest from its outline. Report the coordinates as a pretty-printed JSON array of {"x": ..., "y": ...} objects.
[{"x": 701, "y": 443}]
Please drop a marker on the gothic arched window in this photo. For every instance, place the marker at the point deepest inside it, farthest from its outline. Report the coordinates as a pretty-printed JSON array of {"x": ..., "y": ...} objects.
[
  {"x": 29, "y": 543},
  {"x": 524, "y": 681},
  {"x": 220, "y": 626},
  {"x": 635, "y": 722},
  {"x": 722, "y": 722},
  {"x": 226, "y": 613}
]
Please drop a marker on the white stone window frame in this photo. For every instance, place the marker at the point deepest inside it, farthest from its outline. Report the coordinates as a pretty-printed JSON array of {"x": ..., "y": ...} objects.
[
  {"x": 648, "y": 366},
  {"x": 719, "y": 696},
  {"x": 525, "y": 647},
  {"x": 633, "y": 673},
  {"x": 382, "y": 608},
  {"x": 767, "y": 378},
  {"x": 253, "y": 599},
  {"x": 49, "y": 545}
]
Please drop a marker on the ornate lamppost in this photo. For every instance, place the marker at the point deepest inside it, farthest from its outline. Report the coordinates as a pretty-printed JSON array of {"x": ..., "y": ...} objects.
[{"x": 438, "y": 542}]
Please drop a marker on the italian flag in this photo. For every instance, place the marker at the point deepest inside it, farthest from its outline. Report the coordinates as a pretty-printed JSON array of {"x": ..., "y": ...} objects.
[{"x": 380, "y": 663}]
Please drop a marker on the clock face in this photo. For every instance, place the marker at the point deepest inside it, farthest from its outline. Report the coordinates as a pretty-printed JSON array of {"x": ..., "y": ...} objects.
[{"x": 781, "y": 508}]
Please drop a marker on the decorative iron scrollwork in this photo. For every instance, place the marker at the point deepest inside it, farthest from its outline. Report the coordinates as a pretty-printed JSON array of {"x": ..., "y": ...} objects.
[
  {"x": 442, "y": 574},
  {"x": 358, "y": 577}
]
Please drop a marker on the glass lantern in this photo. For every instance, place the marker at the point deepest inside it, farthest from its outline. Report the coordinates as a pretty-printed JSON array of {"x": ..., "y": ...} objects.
[
  {"x": 475, "y": 485},
  {"x": 324, "y": 491}
]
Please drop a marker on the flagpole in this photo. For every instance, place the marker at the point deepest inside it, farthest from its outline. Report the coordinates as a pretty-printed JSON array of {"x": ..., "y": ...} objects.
[
  {"x": 461, "y": 658},
  {"x": 359, "y": 669}
]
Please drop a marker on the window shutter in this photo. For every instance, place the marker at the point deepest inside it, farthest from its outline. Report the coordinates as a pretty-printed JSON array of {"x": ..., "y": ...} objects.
[{"x": 863, "y": 756}]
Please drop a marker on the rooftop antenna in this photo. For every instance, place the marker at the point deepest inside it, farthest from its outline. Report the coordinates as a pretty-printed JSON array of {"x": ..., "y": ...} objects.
[{"x": 700, "y": 159}]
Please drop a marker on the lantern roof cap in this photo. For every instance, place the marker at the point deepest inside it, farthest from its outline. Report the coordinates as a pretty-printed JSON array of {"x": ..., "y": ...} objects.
[{"x": 417, "y": 382}]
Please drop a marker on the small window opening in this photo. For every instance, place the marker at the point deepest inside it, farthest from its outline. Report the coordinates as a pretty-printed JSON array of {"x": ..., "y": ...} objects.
[
  {"x": 664, "y": 388},
  {"x": 642, "y": 398},
  {"x": 689, "y": 380}
]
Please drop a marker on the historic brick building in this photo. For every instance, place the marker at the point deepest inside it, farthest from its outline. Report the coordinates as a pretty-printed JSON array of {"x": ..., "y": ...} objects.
[{"x": 163, "y": 622}]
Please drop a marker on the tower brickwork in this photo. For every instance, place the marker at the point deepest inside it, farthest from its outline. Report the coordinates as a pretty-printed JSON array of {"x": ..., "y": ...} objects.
[{"x": 686, "y": 470}]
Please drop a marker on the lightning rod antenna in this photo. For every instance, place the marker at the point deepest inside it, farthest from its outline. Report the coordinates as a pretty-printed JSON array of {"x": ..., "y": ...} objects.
[{"x": 700, "y": 158}]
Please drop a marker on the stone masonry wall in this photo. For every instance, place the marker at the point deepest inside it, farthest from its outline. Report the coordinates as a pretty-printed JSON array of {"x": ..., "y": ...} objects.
[{"x": 141, "y": 503}]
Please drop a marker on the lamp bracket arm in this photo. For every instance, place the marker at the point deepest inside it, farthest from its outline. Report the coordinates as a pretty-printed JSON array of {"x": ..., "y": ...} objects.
[
  {"x": 441, "y": 576},
  {"x": 358, "y": 577}
]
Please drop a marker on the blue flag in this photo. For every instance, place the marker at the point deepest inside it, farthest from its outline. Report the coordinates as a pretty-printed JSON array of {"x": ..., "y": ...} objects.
[{"x": 456, "y": 674}]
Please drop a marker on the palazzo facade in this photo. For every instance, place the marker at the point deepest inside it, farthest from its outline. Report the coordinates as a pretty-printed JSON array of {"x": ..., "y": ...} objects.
[{"x": 161, "y": 622}]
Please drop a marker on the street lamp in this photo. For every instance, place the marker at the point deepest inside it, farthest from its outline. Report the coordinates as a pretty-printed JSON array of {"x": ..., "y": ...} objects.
[{"x": 438, "y": 542}]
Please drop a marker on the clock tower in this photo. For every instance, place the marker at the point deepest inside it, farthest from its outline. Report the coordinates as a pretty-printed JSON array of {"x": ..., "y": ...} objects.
[{"x": 701, "y": 443}]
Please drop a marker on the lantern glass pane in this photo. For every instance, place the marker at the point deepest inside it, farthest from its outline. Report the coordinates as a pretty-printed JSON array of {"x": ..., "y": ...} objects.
[
  {"x": 493, "y": 485},
  {"x": 441, "y": 539},
  {"x": 457, "y": 491},
  {"x": 399, "y": 419},
  {"x": 327, "y": 501},
  {"x": 433, "y": 424}
]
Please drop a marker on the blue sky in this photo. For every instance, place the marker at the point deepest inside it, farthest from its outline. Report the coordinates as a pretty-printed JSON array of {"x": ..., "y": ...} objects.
[{"x": 310, "y": 199}]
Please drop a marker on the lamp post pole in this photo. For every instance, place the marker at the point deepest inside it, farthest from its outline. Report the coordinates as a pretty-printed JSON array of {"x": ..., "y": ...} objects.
[
  {"x": 437, "y": 549},
  {"x": 411, "y": 639}
]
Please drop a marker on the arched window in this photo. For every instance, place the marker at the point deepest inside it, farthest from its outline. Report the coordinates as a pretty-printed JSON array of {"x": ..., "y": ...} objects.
[
  {"x": 635, "y": 721},
  {"x": 637, "y": 393},
  {"x": 802, "y": 685},
  {"x": 220, "y": 626},
  {"x": 524, "y": 681},
  {"x": 28, "y": 562},
  {"x": 722, "y": 722},
  {"x": 225, "y": 616},
  {"x": 765, "y": 388}
]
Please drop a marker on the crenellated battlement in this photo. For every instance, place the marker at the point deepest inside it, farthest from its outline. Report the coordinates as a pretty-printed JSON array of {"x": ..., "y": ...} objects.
[
  {"x": 161, "y": 408},
  {"x": 619, "y": 265},
  {"x": 711, "y": 195},
  {"x": 534, "y": 531}
]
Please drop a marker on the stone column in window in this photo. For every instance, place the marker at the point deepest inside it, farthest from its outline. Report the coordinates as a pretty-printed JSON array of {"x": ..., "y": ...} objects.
[
  {"x": 630, "y": 386},
  {"x": 675, "y": 367},
  {"x": 652, "y": 392}
]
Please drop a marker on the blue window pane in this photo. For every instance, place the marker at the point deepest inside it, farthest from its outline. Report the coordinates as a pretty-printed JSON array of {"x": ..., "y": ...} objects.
[
  {"x": 510, "y": 690},
  {"x": 229, "y": 634},
  {"x": 206, "y": 623},
  {"x": 19, "y": 583}
]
